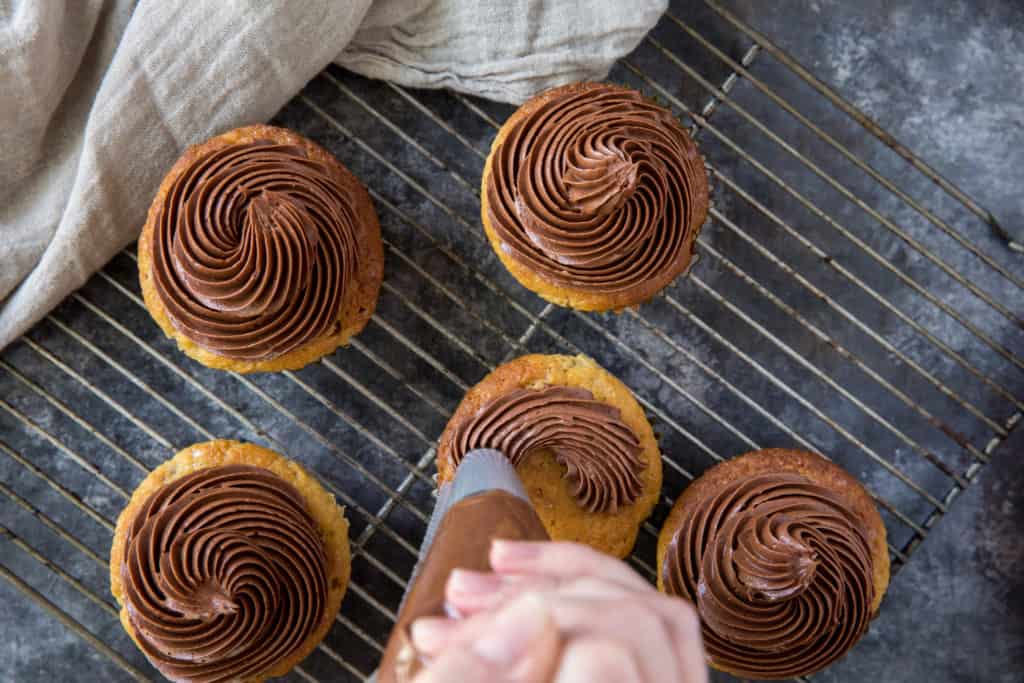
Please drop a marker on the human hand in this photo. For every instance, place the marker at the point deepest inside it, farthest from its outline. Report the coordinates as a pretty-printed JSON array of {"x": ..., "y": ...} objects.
[{"x": 559, "y": 612}]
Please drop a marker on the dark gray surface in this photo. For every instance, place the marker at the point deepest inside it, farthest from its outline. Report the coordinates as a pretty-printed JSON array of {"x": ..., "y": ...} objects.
[
  {"x": 943, "y": 80},
  {"x": 955, "y": 612}
]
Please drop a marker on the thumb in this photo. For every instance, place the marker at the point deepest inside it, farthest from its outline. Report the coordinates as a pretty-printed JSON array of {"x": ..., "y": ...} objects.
[{"x": 517, "y": 644}]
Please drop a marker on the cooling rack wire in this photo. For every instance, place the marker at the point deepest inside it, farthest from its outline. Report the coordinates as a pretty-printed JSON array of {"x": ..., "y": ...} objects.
[{"x": 878, "y": 332}]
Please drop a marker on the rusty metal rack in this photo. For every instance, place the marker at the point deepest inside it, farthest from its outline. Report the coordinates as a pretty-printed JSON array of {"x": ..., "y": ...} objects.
[{"x": 874, "y": 317}]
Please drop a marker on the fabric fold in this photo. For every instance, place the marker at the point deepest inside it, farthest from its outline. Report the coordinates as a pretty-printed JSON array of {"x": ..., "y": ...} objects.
[{"x": 99, "y": 99}]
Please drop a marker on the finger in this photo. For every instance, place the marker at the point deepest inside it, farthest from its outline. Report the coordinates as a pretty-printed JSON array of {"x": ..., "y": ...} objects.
[
  {"x": 430, "y": 635},
  {"x": 526, "y": 647},
  {"x": 679, "y": 618},
  {"x": 459, "y": 665},
  {"x": 627, "y": 621},
  {"x": 684, "y": 626},
  {"x": 514, "y": 630},
  {"x": 561, "y": 560},
  {"x": 649, "y": 621},
  {"x": 502, "y": 635},
  {"x": 539, "y": 665},
  {"x": 599, "y": 589},
  {"x": 597, "y": 660},
  {"x": 433, "y": 635},
  {"x": 470, "y": 592}
]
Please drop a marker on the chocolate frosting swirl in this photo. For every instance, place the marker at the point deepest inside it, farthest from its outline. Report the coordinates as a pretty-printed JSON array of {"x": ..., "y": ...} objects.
[
  {"x": 598, "y": 189},
  {"x": 781, "y": 573},
  {"x": 225, "y": 574},
  {"x": 601, "y": 454},
  {"x": 254, "y": 248}
]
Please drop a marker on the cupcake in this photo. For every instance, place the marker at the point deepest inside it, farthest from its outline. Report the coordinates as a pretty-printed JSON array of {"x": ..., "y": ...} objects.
[
  {"x": 260, "y": 252},
  {"x": 580, "y": 442},
  {"x": 229, "y": 564},
  {"x": 592, "y": 196},
  {"x": 784, "y": 555}
]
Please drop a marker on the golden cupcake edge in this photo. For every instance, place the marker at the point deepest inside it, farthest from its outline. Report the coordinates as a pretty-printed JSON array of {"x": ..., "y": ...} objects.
[
  {"x": 812, "y": 466},
  {"x": 326, "y": 513},
  {"x": 360, "y": 301},
  {"x": 559, "y": 294},
  {"x": 613, "y": 533}
]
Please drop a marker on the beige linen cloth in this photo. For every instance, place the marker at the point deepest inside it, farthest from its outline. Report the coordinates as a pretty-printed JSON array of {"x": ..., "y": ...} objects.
[{"x": 97, "y": 99}]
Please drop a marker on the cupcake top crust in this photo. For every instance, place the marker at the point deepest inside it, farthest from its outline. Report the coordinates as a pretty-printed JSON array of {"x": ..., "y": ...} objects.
[
  {"x": 254, "y": 246},
  {"x": 779, "y": 566},
  {"x": 596, "y": 188},
  {"x": 224, "y": 574},
  {"x": 580, "y": 443},
  {"x": 600, "y": 453}
]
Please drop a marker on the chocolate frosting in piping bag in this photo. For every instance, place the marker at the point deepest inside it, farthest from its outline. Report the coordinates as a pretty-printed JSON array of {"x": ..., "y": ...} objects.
[
  {"x": 485, "y": 501},
  {"x": 780, "y": 571},
  {"x": 254, "y": 248},
  {"x": 225, "y": 574},
  {"x": 599, "y": 190},
  {"x": 600, "y": 452}
]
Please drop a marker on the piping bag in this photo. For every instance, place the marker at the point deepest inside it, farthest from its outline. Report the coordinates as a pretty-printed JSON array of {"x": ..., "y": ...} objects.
[{"x": 484, "y": 501}]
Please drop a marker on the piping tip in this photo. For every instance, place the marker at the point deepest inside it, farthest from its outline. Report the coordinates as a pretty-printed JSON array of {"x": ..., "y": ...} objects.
[
  {"x": 483, "y": 469},
  {"x": 486, "y": 469}
]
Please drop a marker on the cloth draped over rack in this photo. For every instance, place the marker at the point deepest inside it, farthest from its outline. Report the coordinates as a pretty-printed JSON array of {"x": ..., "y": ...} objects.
[{"x": 98, "y": 98}]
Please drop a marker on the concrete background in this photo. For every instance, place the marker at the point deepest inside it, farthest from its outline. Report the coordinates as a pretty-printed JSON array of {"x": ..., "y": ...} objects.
[{"x": 944, "y": 78}]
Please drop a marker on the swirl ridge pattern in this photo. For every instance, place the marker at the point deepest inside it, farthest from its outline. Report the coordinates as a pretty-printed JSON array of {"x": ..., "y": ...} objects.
[
  {"x": 780, "y": 571},
  {"x": 600, "y": 452},
  {"x": 598, "y": 189},
  {"x": 224, "y": 574},
  {"x": 254, "y": 248}
]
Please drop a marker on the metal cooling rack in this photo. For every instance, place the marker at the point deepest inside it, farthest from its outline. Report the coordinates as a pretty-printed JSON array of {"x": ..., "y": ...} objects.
[{"x": 833, "y": 307}]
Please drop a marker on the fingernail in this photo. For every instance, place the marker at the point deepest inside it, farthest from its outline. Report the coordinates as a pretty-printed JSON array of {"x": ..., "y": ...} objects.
[
  {"x": 513, "y": 631},
  {"x": 513, "y": 552},
  {"x": 430, "y": 633},
  {"x": 465, "y": 582}
]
